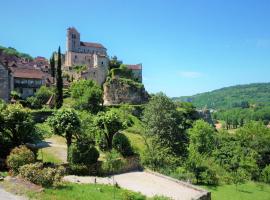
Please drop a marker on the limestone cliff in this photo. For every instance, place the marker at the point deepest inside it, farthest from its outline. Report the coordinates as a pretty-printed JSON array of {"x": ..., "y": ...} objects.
[{"x": 119, "y": 90}]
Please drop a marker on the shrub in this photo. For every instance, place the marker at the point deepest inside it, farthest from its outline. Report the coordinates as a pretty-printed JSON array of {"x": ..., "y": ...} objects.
[
  {"x": 266, "y": 174},
  {"x": 122, "y": 144},
  {"x": 83, "y": 153},
  {"x": 127, "y": 195},
  {"x": 113, "y": 162},
  {"x": 39, "y": 175},
  {"x": 78, "y": 169},
  {"x": 18, "y": 157}
]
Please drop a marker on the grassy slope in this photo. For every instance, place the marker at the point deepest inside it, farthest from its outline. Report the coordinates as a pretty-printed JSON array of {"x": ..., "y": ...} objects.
[
  {"x": 226, "y": 97},
  {"x": 80, "y": 191},
  {"x": 248, "y": 191}
]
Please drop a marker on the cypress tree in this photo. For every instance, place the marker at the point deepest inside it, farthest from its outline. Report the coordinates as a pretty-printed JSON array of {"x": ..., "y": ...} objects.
[
  {"x": 52, "y": 65},
  {"x": 59, "y": 81}
]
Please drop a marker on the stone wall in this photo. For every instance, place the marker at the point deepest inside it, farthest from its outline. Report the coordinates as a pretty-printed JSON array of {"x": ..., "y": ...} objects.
[
  {"x": 4, "y": 83},
  {"x": 117, "y": 91}
]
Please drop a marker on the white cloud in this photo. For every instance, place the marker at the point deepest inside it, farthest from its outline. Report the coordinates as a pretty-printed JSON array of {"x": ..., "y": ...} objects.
[{"x": 190, "y": 74}]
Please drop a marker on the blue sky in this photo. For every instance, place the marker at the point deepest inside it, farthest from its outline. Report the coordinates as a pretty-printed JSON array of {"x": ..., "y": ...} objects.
[{"x": 186, "y": 47}]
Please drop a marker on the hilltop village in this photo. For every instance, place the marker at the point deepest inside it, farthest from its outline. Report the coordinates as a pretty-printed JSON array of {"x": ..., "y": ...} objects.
[{"x": 81, "y": 60}]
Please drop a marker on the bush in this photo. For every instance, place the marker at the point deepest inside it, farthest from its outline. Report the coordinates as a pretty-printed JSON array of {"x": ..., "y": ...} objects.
[
  {"x": 127, "y": 195},
  {"x": 78, "y": 169},
  {"x": 18, "y": 157},
  {"x": 83, "y": 153},
  {"x": 113, "y": 163},
  {"x": 39, "y": 175},
  {"x": 266, "y": 174},
  {"x": 122, "y": 144}
]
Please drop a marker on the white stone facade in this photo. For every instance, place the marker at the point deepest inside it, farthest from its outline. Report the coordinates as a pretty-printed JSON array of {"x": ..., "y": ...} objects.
[{"x": 92, "y": 55}]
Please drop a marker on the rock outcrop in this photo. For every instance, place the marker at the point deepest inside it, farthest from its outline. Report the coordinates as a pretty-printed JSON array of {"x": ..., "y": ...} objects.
[{"x": 117, "y": 91}]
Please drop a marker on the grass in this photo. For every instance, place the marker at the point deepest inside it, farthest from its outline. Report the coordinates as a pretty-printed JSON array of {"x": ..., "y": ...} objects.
[
  {"x": 247, "y": 191},
  {"x": 3, "y": 174},
  {"x": 47, "y": 155},
  {"x": 136, "y": 141},
  {"x": 82, "y": 191}
]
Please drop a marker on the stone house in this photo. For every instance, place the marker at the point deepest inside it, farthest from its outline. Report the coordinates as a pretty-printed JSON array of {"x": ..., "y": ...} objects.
[
  {"x": 136, "y": 71},
  {"x": 4, "y": 82}
]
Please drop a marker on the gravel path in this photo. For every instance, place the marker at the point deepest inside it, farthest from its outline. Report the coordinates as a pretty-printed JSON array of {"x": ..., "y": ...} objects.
[
  {"x": 146, "y": 183},
  {"x": 8, "y": 196}
]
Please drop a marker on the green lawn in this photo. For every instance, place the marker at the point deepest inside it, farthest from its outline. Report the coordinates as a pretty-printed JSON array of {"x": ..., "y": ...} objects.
[
  {"x": 248, "y": 191},
  {"x": 87, "y": 192}
]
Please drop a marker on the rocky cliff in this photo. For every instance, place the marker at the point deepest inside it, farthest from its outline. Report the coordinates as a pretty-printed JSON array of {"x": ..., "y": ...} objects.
[{"x": 119, "y": 90}]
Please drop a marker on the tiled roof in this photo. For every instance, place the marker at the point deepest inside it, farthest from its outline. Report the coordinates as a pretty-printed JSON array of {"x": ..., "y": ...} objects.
[
  {"x": 135, "y": 67},
  {"x": 27, "y": 73},
  {"x": 91, "y": 44}
]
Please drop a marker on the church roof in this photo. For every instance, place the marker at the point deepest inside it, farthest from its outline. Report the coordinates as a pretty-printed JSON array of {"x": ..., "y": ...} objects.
[{"x": 91, "y": 44}]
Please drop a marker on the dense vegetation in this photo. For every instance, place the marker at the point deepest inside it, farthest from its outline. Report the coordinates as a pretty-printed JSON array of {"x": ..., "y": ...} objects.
[
  {"x": 230, "y": 97},
  {"x": 13, "y": 52}
]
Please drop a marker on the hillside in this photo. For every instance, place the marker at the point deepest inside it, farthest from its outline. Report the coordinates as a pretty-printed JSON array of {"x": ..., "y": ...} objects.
[{"x": 229, "y": 97}]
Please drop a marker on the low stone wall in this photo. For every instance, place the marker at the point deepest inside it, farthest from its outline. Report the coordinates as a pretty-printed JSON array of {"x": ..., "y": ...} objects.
[
  {"x": 132, "y": 163},
  {"x": 40, "y": 116},
  {"x": 204, "y": 194}
]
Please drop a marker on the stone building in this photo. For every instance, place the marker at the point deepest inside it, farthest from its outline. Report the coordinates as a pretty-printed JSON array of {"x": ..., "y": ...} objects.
[
  {"x": 136, "y": 71},
  {"x": 91, "y": 55},
  {"x": 4, "y": 82}
]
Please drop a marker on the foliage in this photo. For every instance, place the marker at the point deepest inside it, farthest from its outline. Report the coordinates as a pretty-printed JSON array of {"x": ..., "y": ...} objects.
[
  {"x": 122, "y": 144},
  {"x": 18, "y": 125},
  {"x": 79, "y": 169},
  {"x": 240, "y": 95},
  {"x": 122, "y": 72},
  {"x": 109, "y": 123},
  {"x": 113, "y": 162},
  {"x": 88, "y": 95},
  {"x": 65, "y": 122},
  {"x": 40, "y": 98},
  {"x": 45, "y": 176},
  {"x": 239, "y": 177},
  {"x": 13, "y": 52},
  {"x": 266, "y": 174},
  {"x": 162, "y": 122},
  {"x": 114, "y": 63},
  {"x": 59, "y": 81},
  {"x": 202, "y": 137},
  {"x": 18, "y": 157},
  {"x": 15, "y": 95},
  {"x": 83, "y": 152},
  {"x": 52, "y": 65}
]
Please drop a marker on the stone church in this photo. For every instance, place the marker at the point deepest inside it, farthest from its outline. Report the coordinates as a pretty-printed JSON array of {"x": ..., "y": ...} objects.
[{"x": 93, "y": 56}]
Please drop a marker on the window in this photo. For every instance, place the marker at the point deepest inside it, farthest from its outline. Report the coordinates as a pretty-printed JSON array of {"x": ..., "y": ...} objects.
[
  {"x": 75, "y": 57},
  {"x": 102, "y": 62}
]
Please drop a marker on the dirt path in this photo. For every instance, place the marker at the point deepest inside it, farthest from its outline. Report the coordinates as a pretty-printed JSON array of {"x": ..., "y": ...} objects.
[
  {"x": 148, "y": 184},
  {"x": 55, "y": 145},
  {"x": 4, "y": 195}
]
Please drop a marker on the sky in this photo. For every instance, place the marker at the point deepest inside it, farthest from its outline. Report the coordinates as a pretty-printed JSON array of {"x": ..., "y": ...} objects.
[{"x": 186, "y": 47}]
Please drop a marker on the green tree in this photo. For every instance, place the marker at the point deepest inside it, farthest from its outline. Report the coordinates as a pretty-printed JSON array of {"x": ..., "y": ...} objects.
[
  {"x": 239, "y": 177},
  {"x": 114, "y": 63},
  {"x": 163, "y": 123},
  {"x": 52, "y": 65},
  {"x": 18, "y": 125},
  {"x": 65, "y": 122},
  {"x": 88, "y": 95},
  {"x": 202, "y": 137},
  {"x": 59, "y": 81},
  {"x": 110, "y": 123}
]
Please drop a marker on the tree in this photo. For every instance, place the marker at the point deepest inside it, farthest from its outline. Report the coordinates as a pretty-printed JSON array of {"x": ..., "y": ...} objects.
[
  {"x": 114, "y": 63},
  {"x": 239, "y": 177},
  {"x": 65, "y": 122},
  {"x": 163, "y": 123},
  {"x": 110, "y": 123},
  {"x": 88, "y": 95},
  {"x": 59, "y": 81},
  {"x": 18, "y": 125},
  {"x": 52, "y": 65},
  {"x": 202, "y": 137}
]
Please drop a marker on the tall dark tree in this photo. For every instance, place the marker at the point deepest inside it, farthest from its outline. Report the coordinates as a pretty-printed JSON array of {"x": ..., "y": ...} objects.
[
  {"x": 52, "y": 65},
  {"x": 59, "y": 82}
]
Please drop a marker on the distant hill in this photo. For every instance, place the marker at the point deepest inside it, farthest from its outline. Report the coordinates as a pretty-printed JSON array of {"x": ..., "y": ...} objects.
[
  {"x": 229, "y": 97},
  {"x": 10, "y": 51}
]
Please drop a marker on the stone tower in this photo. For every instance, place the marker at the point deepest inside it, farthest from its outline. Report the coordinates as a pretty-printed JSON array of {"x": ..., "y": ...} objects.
[{"x": 73, "y": 39}]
